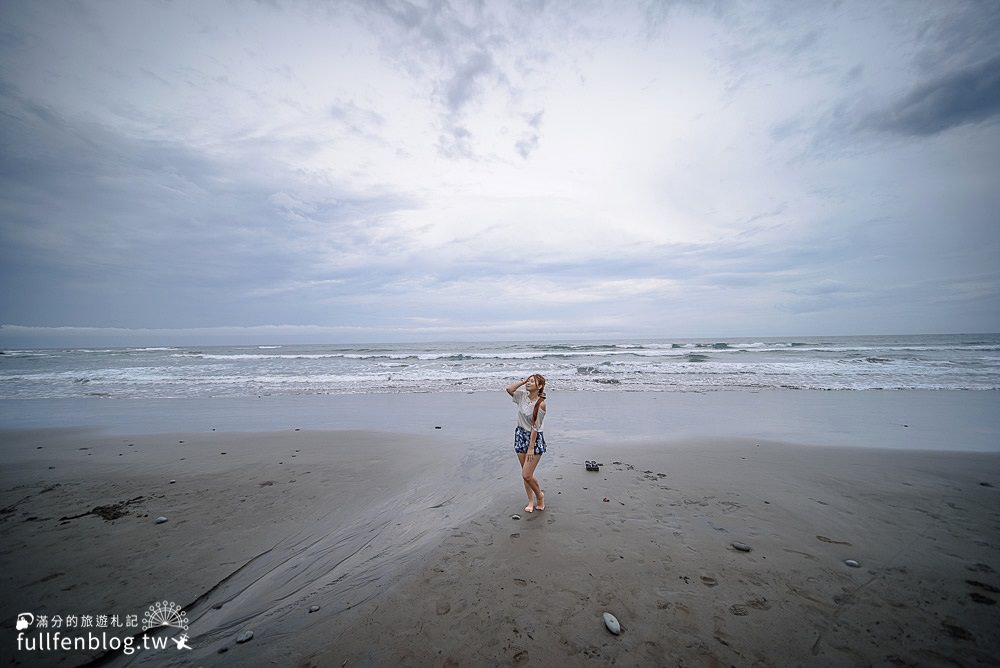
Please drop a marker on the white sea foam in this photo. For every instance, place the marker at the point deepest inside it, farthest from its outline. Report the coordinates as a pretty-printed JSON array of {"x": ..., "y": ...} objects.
[{"x": 850, "y": 363}]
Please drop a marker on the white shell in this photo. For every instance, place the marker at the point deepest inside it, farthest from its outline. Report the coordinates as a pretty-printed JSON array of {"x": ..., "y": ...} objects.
[
  {"x": 612, "y": 623},
  {"x": 161, "y": 520},
  {"x": 852, "y": 563}
]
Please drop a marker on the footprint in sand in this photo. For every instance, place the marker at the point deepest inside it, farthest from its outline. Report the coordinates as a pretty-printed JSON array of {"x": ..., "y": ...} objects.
[
  {"x": 982, "y": 585},
  {"x": 443, "y": 608},
  {"x": 982, "y": 598},
  {"x": 756, "y": 604},
  {"x": 956, "y": 631}
]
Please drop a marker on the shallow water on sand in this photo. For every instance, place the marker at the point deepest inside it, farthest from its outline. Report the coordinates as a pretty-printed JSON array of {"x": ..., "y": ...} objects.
[{"x": 935, "y": 420}]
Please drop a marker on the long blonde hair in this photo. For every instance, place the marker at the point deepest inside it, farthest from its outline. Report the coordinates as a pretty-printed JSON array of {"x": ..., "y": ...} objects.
[{"x": 540, "y": 382}]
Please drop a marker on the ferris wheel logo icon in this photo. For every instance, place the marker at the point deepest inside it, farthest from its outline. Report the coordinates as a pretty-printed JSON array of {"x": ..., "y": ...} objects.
[{"x": 165, "y": 613}]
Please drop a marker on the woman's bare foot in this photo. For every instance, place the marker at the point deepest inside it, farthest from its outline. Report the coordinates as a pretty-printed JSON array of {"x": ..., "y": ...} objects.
[
  {"x": 530, "y": 508},
  {"x": 541, "y": 502}
]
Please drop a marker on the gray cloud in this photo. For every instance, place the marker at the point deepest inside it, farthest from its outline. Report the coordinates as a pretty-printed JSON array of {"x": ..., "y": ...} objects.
[
  {"x": 970, "y": 95},
  {"x": 359, "y": 120},
  {"x": 208, "y": 190},
  {"x": 466, "y": 82},
  {"x": 456, "y": 142},
  {"x": 823, "y": 295},
  {"x": 955, "y": 39},
  {"x": 529, "y": 141},
  {"x": 110, "y": 229},
  {"x": 458, "y": 49}
]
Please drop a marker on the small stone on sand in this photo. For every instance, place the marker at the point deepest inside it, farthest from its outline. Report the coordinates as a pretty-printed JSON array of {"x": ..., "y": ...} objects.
[
  {"x": 172, "y": 482},
  {"x": 742, "y": 547},
  {"x": 313, "y": 608},
  {"x": 611, "y": 622},
  {"x": 161, "y": 520},
  {"x": 852, "y": 563},
  {"x": 515, "y": 517},
  {"x": 245, "y": 636}
]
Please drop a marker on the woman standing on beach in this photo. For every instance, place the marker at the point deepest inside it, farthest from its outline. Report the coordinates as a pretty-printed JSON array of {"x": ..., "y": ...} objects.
[{"x": 529, "y": 443}]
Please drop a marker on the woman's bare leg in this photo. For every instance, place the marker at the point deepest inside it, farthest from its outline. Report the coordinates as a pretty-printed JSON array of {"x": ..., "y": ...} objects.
[
  {"x": 527, "y": 487},
  {"x": 528, "y": 475}
]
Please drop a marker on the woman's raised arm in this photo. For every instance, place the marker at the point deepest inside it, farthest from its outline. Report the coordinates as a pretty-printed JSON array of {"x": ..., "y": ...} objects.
[{"x": 513, "y": 386}]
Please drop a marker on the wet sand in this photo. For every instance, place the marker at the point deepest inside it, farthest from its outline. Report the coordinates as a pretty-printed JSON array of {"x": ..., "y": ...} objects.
[{"x": 406, "y": 543}]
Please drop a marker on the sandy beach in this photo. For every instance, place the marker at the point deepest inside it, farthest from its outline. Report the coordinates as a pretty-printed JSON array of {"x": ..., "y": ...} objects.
[{"x": 381, "y": 546}]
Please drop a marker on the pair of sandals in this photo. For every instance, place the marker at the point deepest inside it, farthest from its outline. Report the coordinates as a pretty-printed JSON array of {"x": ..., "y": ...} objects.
[{"x": 593, "y": 466}]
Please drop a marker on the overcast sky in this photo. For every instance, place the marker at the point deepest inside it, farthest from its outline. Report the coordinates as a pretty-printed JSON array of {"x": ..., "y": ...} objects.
[{"x": 349, "y": 172}]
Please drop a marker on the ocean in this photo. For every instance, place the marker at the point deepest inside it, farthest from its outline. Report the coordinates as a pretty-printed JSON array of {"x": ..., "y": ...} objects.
[{"x": 856, "y": 363}]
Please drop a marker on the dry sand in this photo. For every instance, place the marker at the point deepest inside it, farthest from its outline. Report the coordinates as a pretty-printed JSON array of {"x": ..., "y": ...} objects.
[{"x": 407, "y": 545}]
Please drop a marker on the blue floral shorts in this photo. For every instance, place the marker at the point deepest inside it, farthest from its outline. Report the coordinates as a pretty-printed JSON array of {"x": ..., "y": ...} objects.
[{"x": 522, "y": 439}]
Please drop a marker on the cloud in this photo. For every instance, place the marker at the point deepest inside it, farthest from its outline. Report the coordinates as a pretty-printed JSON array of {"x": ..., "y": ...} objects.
[
  {"x": 970, "y": 95},
  {"x": 529, "y": 142},
  {"x": 399, "y": 169},
  {"x": 365, "y": 122},
  {"x": 824, "y": 295},
  {"x": 117, "y": 229},
  {"x": 474, "y": 59},
  {"x": 466, "y": 82}
]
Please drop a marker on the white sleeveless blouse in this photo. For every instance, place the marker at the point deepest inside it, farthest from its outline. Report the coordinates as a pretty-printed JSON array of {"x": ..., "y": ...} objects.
[{"x": 525, "y": 409}]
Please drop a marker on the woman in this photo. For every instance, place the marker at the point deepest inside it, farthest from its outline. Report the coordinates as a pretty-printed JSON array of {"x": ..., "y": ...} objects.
[{"x": 529, "y": 443}]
